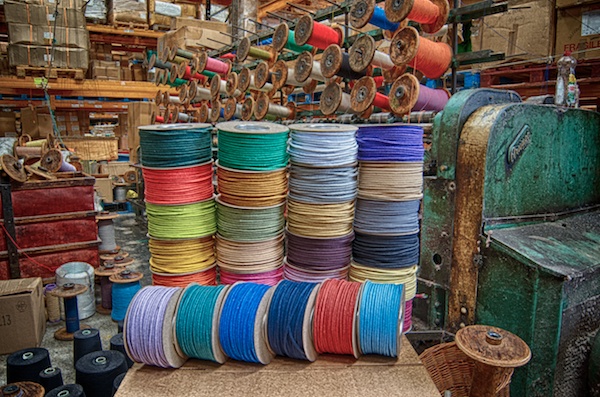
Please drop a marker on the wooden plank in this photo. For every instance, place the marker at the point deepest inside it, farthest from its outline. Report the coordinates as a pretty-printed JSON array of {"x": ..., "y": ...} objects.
[
  {"x": 124, "y": 31},
  {"x": 53, "y": 248},
  {"x": 52, "y": 217}
]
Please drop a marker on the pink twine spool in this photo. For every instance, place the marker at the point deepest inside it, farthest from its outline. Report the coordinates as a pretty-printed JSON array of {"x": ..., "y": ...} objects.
[
  {"x": 407, "y": 316},
  {"x": 430, "y": 99},
  {"x": 214, "y": 65},
  {"x": 294, "y": 273},
  {"x": 271, "y": 277}
]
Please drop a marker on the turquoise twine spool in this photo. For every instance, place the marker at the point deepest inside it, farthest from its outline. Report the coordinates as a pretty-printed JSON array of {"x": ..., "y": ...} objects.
[
  {"x": 252, "y": 146},
  {"x": 196, "y": 336},
  {"x": 175, "y": 145},
  {"x": 380, "y": 318},
  {"x": 122, "y": 294}
]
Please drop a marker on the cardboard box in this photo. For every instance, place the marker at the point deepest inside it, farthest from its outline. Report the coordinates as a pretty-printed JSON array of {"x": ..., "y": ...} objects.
[
  {"x": 578, "y": 29},
  {"x": 139, "y": 72},
  {"x": 40, "y": 56},
  {"x": 104, "y": 188},
  {"x": 36, "y": 122},
  {"x": 524, "y": 31},
  {"x": 189, "y": 37},
  {"x": 127, "y": 11},
  {"x": 7, "y": 122},
  {"x": 36, "y": 15},
  {"x": 138, "y": 114},
  {"x": 197, "y": 23},
  {"x": 573, "y": 3},
  {"x": 20, "y": 33},
  {"x": 22, "y": 315}
]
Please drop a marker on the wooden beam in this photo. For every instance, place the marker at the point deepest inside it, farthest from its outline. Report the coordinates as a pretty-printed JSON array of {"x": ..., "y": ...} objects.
[
  {"x": 92, "y": 28},
  {"x": 273, "y": 6}
]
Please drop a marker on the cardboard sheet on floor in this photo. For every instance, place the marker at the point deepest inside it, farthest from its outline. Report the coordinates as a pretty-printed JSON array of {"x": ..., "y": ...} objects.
[{"x": 329, "y": 376}]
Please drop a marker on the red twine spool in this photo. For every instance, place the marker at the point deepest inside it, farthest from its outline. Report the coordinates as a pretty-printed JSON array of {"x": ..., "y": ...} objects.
[
  {"x": 322, "y": 36},
  {"x": 178, "y": 185},
  {"x": 205, "y": 277},
  {"x": 159, "y": 119},
  {"x": 432, "y": 58},
  {"x": 189, "y": 76},
  {"x": 381, "y": 101},
  {"x": 214, "y": 65},
  {"x": 424, "y": 11},
  {"x": 335, "y": 311},
  {"x": 379, "y": 81}
]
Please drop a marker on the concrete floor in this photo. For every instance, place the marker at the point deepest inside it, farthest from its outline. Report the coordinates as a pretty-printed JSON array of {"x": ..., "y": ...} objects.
[{"x": 133, "y": 240}]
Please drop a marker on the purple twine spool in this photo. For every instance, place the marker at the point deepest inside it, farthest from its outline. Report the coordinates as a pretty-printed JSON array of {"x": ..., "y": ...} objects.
[
  {"x": 430, "y": 99},
  {"x": 106, "y": 292},
  {"x": 143, "y": 326},
  {"x": 320, "y": 254},
  {"x": 390, "y": 143},
  {"x": 294, "y": 273}
]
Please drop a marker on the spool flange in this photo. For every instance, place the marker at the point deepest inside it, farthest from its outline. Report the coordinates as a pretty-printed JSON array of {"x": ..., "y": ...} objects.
[
  {"x": 280, "y": 36},
  {"x": 404, "y": 94},
  {"x": 362, "y": 53},
  {"x": 51, "y": 160},
  {"x": 361, "y": 13},
  {"x": 331, "y": 98},
  {"x": 363, "y": 93},
  {"x": 13, "y": 168},
  {"x": 244, "y": 80},
  {"x": 331, "y": 61},
  {"x": 229, "y": 108},
  {"x": 232, "y": 83},
  {"x": 262, "y": 75},
  {"x": 303, "y": 67},
  {"x": 248, "y": 109},
  {"x": 404, "y": 46},
  {"x": 215, "y": 111}
]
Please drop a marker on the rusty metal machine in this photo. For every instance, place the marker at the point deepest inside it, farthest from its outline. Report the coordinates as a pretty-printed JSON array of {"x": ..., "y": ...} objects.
[{"x": 511, "y": 231}]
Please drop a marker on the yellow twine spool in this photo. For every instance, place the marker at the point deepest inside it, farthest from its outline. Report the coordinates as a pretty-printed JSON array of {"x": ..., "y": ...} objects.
[
  {"x": 390, "y": 181},
  {"x": 406, "y": 276},
  {"x": 320, "y": 220},
  {"x": 52, "y": 308},
  {"x": 252, "y": 189},
  {"x": 182, "y": 256}
]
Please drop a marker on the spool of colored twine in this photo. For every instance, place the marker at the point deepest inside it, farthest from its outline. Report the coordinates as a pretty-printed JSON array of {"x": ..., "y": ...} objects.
[
  {"x": 380, "y": 20},
  {"x": 148, "y": 327},
  {"x": 293, "y": 46},
  {"x": 390, "y": 181},
  {"x": 241, "y": 330},
  {"x": 295, "y": 273},
  {"x": 319, "y": 254},
  {"x": 393, "y": 252},
  {"x": 122, "y": 294},
  {"x": 181, "y": 221},
  {"x": 288, "y": 324},
  {"x": 249, "y": 257},
  {"x": 52, "y": 304},
  {"x": 181, "y": 256},
  {"x": 249, "y": 224},
  {"x": 175, "y": 145},
  {"x": 406, "y": 276},
  {"x": 431, "y": 99},
  {"x": 323, "y": 185},
  {"x": 391, "y": 143},
  {"x": 196, "y": 323},
  {"x": 178, "y": 185},
  {"x": 323, "y": 149},
  {"x": 407, "y": 326},
  {"x": 322, "y": 220},
  {"x": 252, "y": 146},
  {"x": 252, "y": 188},
  {"x": 391, "y": 218},
  {"x": 334, "y": 328},
  {"x": 271, "y": 277},
  {"x": 321, "y": 36},
  {"x": 203, "y": 277},
  {"x": 380, "y": 319}
]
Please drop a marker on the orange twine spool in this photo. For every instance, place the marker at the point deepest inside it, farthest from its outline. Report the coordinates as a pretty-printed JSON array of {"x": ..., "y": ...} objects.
[
  {"x": 381, "y": 101},
  {"x": 424, "y": 11},
  {"x": 432, "y": 58},
  {"x": 205, "y": 277}
]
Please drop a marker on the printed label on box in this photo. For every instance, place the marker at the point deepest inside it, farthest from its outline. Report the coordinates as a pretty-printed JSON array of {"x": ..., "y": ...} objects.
[
  {"x": 48, "y": 35},
  {"x": 590, "y": 23},
  {"x": 51, "y": 17},
  {"x": 47, "y": 58}
]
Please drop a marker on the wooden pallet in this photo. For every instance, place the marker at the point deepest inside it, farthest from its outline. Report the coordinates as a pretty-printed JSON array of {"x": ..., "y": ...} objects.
[
  {"x": 130, "y": 25},
  {"x": 160, "y": 28},
  {"x": 50, "y": 73}
]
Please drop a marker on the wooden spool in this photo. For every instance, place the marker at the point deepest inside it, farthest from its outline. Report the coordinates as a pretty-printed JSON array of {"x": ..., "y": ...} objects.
[
  {"x": 361, "y": 13},
  {"x": 215, "y": 111},
  {"x": 248, "y": 109},
  {"x": 126, "y": 277},
  {"x": 279, "y": 75},
  {"x": 263, "y": 105},
  {"x": 331, "y": 99},
  {"x": 262, "y": 75},
  {"x": 22, "y": 389},
  {"x": 158, "y": 98},
  {"x": 243, "y": 50},
  {"x": 304, "y": 65},
  {"x": 13, "y": 168},
  {"x": 51, "y": 160},
  {"x": 192, "y": 90},
  {"x": 203, "y": 112},
  {"x": 106, "y": 270},
  {"x": 304, "y": 29},
  {"x": 362, "y": 53},
  {"x": 195, "y": 65},
  {"x": 110, "y": 257},
  {"x": 331, "y": 61},
  {"x": 215, "y": 86},
  {"x": 404, "y": 46},
  {"x": 68, "y": 291},
  {"x": 363, "y": 93},
  {"x": 229, "y": 108},
  {"x": 495, "y": 351},
  {"x": 404, "y": 94},
  {"x": 232, "y": 84},
  {"x": 131, "y": 176},
  {"x": 172, "y": 53},
  {"x": 398, "y": 10},
  {"x": 164, "y": 54},
  {"x": 201, "y": 60},
  {"x": 244, "y": 80},
  {"x": 280, "y": 36}
]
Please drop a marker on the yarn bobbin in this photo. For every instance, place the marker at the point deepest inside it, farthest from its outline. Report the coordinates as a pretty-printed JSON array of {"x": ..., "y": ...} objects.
[
  {"x": 404, "y": 94},
  {"x": 215, "y": 111},
  {"x": 229, "y": 108},
  {"x": 203, "y": 112},
  {"x": 51, "y": 160},
  {"x": 363, "y": 93},
  {"x": 303, "y": 69},
  {"x": 13, "y": 168},
  {"x": 264, "y": 107},
  {"x": 363, "y": 53},
  {"x": 231, "y": 85},
  {"x": 335, "y": 61},
  {"x": 399, "y": 10},
  {"x": 111, "y": 257},
  {"x": 361, "y": 13},
  {"x": 305, "y": 27},
  {"x": 280, "y": 36},
  {"x": 203, "y": 61},
  {"x": 262, "y": 75},
  {"x": 105, "y": 271},
  {"x": 248, "y": 109},
  {"x": 245, "y": 49},
  {"x": 69, "y": 292}
]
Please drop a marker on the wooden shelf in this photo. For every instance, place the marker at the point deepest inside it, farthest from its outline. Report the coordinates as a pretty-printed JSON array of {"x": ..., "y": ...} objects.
[{"x": 104, "y": 29}]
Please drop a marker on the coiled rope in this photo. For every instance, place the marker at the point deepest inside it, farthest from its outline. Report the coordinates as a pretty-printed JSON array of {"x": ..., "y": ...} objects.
[
  {"x": 176, "y": 145},
  {"x": 181, "y": 256},
  {"x": 197, "y": 320},
  {"x": 387, "y": 218},
  {"x": 240, "y": 329},
  {"x": 323, "y": 185},
  {"x": 323, "y": 149},
  {"x": 249, "y": 224},
  {"x": 181, "y": 221},
  {"x": 271, "y": 277},
  {"x": 390, "y": 252},
  {"x": 390, "y": 181},
  {"x": 253, "y": 151},
  {"x": 390, "y": 143},
  {"x": 323, "y": 220},
  {"x": 288, "y": 324},
  {"x": 406, "y": 276},
  {"x": 250, "y": 257},
  {"x": 319, "y": 253},
  {"x": 178, "y": 185},
  {"x": 250, "y": 188},
  {"x": 294, "y": 273},
  {"x": 203, "y": 277},
  {"x": 122, "y": 294}
]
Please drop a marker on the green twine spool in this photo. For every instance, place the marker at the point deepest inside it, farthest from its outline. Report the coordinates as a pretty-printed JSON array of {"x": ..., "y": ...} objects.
[
  {"x": 194, "y": 322},
  {"x": 182, "y": 221},
  {"x": 177, "y": 83},
  {"x": 249, "y": 224},
  {"x": 175, "y": 145},
  {"x": 252, "y": 146},
  {"x": 292, "y": 45},
  {"x": 208, "y": 73}
]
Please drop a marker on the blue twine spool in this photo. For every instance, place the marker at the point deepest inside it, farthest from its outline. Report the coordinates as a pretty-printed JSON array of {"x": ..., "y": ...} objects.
[
  {"x": 380, "y": 20},
  {"x": 175, "y": 145},
  {"x": 323, "y": 185},
  {"x": 122, "y": 294},
  {"x": 323, "y": 149},
  {"x": 390, "y": 143},
  {"x": 391, "y": 252},
  {"x": 194, "y": 323},
  {"x": 380, "y": 316},
  {"x": 71, "y": 315},
  {"x": 236, "y": 329},
  {"x": 387, "y": 217},
  {"x": 286, "y": 319}
]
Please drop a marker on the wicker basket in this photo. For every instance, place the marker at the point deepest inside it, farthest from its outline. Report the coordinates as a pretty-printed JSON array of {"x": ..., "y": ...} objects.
[{"x": 452, "y": 370}]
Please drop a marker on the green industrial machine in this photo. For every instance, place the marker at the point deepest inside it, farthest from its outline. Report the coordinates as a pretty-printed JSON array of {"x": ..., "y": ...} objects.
[{"x": 511, "y": 231}]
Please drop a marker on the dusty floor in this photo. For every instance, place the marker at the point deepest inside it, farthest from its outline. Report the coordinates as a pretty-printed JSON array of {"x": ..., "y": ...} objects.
[{"x": 133, "y": 240}]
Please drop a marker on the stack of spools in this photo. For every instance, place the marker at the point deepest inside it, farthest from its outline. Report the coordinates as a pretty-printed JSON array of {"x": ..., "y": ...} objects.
[
  {"x": 177, "y": 167},
  {"x": 323, "y": 186},
  {"x": 252, "y": 186},
  {"x": 386, "y": 225}
]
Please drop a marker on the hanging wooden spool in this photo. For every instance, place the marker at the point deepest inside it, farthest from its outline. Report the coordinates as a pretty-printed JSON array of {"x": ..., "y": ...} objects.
[
  {"x": 164, "y": 54},
  {"x": 335, "y": 100},
  {"x": 125, "y": 277},
  {"x": 248, "y": 109},
  {"x": 262, "y": 75},
  {"x": 404, "y": 50},
  {"x": 215, "y": 111},
  {"x": 216, "y": 88},
  {"x": 131, "y": 176},
  {"x": 229, "y": 108},
  {"x": 306, "y": 67},
  {"x": 399, "y": 10},
  {"x": 13, "y": 168},
  {"x": 231, "y": 84},
  {"x": 363, "y": 93},
  {"x": 51, "y": 160},
  {"x": 203, "y": 60},
  {"x": 335, "y": 61},
  {"x": 244, "y": 79},
  {"x": 304, "y": 30},
  {"x": 280, "y": 36},
  {"x": 246, "y": 49},
  {"x": 204, "y": 112},
  {"x": 264, "y": 107},
  {"x": 404, "y": 94},
  {"x": 364, "y": 54}
]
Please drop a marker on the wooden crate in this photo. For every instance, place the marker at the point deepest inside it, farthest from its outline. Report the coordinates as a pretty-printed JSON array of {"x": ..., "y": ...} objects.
[{"x": 94, "y": 148}]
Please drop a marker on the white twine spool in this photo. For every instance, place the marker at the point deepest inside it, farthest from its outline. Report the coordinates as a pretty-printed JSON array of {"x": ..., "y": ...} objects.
[
  {"x": 266, "y": 88},
  {"x": 345, "y": 104},
  {"x": 278, "y": 111},
  {"x": 78, "y": 273},
  {"x": 238, "y": 111},
  {"x": 175, "y": 100},
  {"x": 183, "y": 117},
  {"x": 106, "y": 233},
  {"x": 315, "y": 72},
  {"x": 202, "y": 94},
  {"x": 382, "y": 60}
]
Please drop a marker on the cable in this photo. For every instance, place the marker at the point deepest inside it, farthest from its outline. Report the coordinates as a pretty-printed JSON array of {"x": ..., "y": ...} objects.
[
  {"x": 237, "y": 329},
  {"x": 181, "y": 256},
  {"x": 323, "y": 185},
  {"x": 406, "y": 276},
  {"x": 380, "y": 314},
  {"x": 333, "y": 324},
  {"x": 287, "y": 323},
  {"x": 195, "y": 321},
  {"x": 181, "y": 221},
  {"x": 253, "y": 151},
  {"x": 249, "y": 224},
  {"x": 175, "y": 145},
  {"x": 390, "y": 181},
  {"x": 391, "y": 218},
  {"x": 252, "y": 189},
  {"x": 322, "y": 220},
  {"x": 178, "y": 185}
]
